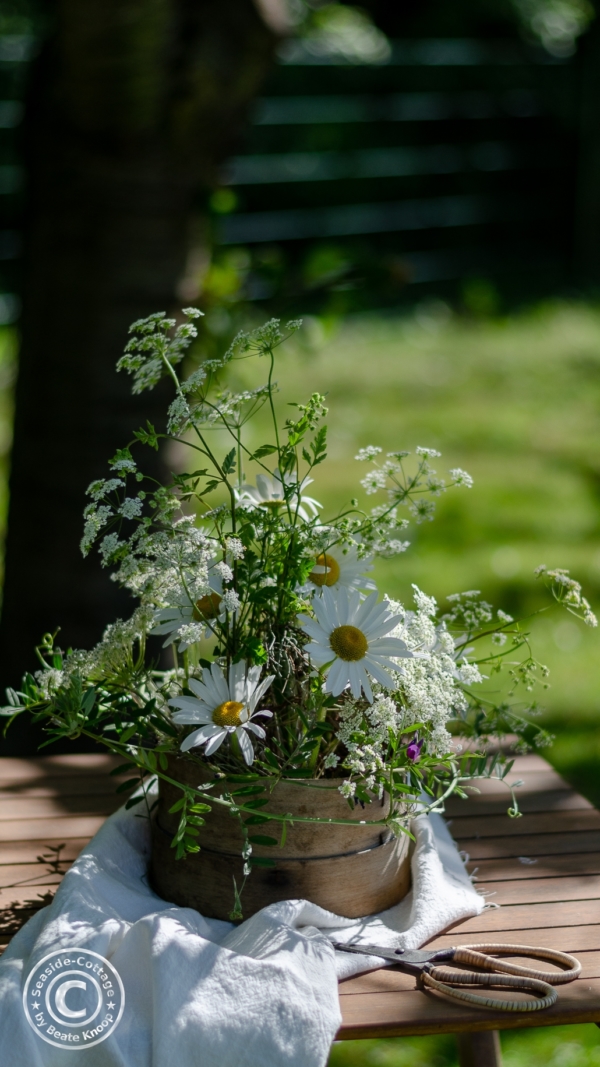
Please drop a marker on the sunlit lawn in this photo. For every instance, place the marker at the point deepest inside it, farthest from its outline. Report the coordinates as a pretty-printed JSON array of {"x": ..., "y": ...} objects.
[{"x": 516, "y": 403}]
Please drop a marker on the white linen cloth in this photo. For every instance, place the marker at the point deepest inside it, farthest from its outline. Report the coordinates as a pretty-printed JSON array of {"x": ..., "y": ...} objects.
[{"x": 202, "y": 992}]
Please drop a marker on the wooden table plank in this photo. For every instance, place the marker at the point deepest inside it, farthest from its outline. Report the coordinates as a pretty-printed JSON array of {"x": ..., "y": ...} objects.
[
  {"x": 529, "y": 803},
  {"x": 568, "y": 938},
  {"x": 533, "y": 781},
  {"x": 28, "y": 873},
  {"x": 44, "y": 767},
  {"x": 529, "y": 844},
  {"x": 532, "y": 917},
  {"x": 414, "y": 1013},
  {"x": 67, "y": 785},
  {"x": 542, "y": 890},
  {"x": 548, "y": 822},
  {"x": 29, "y": 851},
  {"x": 526, "y": 867},
  {"x": 17, "y": 809}
]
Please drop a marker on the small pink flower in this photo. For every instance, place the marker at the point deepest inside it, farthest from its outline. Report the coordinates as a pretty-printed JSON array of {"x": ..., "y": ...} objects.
[{"x": 413, "y": 751}]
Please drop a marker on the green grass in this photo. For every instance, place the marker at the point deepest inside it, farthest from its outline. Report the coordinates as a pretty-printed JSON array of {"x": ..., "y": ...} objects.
[{"x": 553, "y": 1046}]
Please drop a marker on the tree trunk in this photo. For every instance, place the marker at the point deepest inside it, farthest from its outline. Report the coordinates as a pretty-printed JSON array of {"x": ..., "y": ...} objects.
[
  {"x": 587, "y": 231},
  {"x": 133, "y": 103}
]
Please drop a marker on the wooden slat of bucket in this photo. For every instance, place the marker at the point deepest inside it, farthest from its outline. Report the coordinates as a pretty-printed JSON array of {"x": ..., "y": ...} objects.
[{"x": 352, "y": 885}]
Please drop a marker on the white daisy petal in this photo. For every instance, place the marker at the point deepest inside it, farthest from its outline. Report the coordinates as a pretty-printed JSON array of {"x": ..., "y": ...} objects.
[
  {"x": 185, "y": 702},
  {"x": 313, "y": 629},
  {"x": 215, "y": 742},
  {"x": 198, "y": 737},
  {"x": 378, "y": 673},
  {"x": 197, "y": 687},
  {"x": 380, "y": 628},
  {"x": 366, "y": 684},
  {"x": 390, "y": 646},
  {"x": 337, "y": 677},
  {"x": 188, "y": 718},
  {"x": 260, "y": 690},
  {"x": 320, "y": 655},
  {"x": 256, "y": 729},
  {"x": 245, "y": 745},
  {"x": 368, "y": 611},
  {"x": 355, "y": 678}
]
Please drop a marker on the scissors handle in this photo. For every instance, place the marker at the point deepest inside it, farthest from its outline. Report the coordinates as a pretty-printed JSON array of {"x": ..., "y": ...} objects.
[
  {"x": 446, "y": 980},
  {"x": 484, "y": 957},
  {"x": 503, "y": 976}
]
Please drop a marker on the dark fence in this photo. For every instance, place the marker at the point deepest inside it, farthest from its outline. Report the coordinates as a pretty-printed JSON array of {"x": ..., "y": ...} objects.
[
  {"x": 453, "y": 162},
  {"x": 455, "y": 159}
]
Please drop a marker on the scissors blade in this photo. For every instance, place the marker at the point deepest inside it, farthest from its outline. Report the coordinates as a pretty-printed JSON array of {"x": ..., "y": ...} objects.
[{"x": 410, "y": 960}]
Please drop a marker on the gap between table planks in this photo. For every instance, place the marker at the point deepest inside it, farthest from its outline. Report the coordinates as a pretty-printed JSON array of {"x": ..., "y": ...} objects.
[{"x": 543, "y": 869}]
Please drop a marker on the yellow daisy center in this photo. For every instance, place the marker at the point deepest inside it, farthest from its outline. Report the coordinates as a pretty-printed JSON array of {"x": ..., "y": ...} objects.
[
  {"x": 328, "y": 577},
  {"x": 228, "y": 714},
  {"x": 272, "y": 503},
  {"x": 349, "y": 643},
  {"x": 207, "y": 607}
]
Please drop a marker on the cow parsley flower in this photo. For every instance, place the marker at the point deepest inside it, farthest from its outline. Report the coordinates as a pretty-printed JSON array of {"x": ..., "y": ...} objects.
[
  {"x": 131, "y": 507},
  {"x": 175, "y": 621},
  {"x": 234, "y": 548},
  {"x": 223, "y": 707},
  {"x": 352, "y": 634},
  {"x": 461, "y": 477},
  {"x": 367, "y": 453}
]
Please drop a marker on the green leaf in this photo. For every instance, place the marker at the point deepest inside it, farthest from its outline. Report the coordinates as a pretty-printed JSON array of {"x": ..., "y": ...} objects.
[
  {"x": 147, "y": 436},
  {"x": 128, "y": 733},
  {"x": 270, "y": 758},
  {"x": 264, "y": 450},
  {"x": 262, "y": 839},
  {"x": 256, "y": 820},
  {"x": 261, "y": 861},
  {"x": 129, "y": 784},
  {"x": 177, "y": 806},
  {"x": 133, "y": 801},
  {"x": 229, "y": 462},
  {"x": 122, "y": 768}
]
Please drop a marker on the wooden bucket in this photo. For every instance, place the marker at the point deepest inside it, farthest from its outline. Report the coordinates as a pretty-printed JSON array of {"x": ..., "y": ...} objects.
[{"x": 349, "y": 870}]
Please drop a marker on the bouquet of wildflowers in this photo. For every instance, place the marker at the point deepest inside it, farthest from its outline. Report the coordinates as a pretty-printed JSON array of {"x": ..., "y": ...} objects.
[{"x": 281, "y": 659}]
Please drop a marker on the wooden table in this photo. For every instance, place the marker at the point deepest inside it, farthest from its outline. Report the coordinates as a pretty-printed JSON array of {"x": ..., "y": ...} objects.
[{"x": 542, "y": 869}]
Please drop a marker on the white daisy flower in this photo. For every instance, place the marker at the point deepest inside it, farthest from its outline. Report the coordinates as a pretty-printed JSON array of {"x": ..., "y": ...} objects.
[
  {"x": 269, "y": 493},
  {"x": 223, "y": 707},
  {"x": 340, "y": 566},
  {"x": 352, "y": 632},
  {"x": 188, "y": 620}
]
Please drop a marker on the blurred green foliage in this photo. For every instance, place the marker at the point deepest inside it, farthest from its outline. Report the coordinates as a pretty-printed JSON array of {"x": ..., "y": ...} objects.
[{"x": 552, "y": 1046}]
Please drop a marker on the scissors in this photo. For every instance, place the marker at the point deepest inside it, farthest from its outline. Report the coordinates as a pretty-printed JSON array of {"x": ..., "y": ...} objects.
[{"x": 491, "y": 972}]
